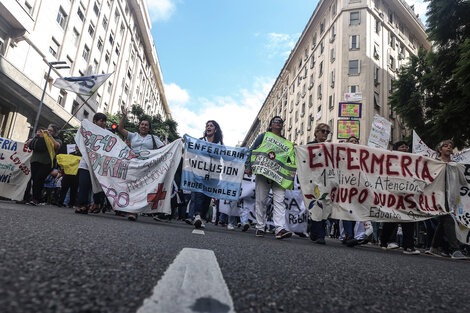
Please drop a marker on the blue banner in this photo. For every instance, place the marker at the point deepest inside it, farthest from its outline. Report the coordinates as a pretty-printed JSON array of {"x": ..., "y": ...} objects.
[{"x": 213, "y": 169}]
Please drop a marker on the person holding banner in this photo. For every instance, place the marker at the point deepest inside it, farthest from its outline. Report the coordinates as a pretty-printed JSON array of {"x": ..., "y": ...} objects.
[
  {"x": 199, "y": 204},
  {"x": 389, "y": 230},
  {"x": 84, "y": 179},
  {"x": 317, "y": 228},
  {"x": 44, "y": 146},
  {"x": 143, "y": 140},
  {"x": 446, "y": 226},
  {"x": 273, "y": 161}
]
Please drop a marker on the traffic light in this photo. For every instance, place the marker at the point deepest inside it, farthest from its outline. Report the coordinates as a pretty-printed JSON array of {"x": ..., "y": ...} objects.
[{"x": 113, "y": 128}]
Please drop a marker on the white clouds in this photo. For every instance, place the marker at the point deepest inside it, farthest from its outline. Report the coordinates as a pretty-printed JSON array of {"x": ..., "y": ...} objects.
[
  {"x": 235, "y": 113},
  {"x": 176, "y": 95},
  {"x": 280, "y": 44},
  {"x": 160, "y": 10}
]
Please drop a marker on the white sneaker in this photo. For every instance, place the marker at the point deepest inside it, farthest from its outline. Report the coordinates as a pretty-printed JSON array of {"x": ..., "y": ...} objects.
[
  {"x": 230, "y": 227},
  {"x": 392, "y": 245},
  {"x": 411, "y": 251},
  {"x": 198, "y": 222}
]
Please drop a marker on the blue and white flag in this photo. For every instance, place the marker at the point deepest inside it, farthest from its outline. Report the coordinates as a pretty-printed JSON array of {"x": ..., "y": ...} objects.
[
  {"x": 84, "y": 85},
  {"x": 213, "y": 169}
]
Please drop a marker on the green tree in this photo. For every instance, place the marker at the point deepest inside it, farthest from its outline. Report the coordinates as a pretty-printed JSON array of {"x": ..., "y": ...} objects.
[{"x": 431, "y": 93}]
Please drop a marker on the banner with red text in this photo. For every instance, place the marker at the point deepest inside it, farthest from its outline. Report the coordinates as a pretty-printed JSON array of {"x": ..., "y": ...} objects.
[
  {"x": 132, "y": 182},
  {"x": 15, "y": 169},
  {"x": 359, "y": 183}
]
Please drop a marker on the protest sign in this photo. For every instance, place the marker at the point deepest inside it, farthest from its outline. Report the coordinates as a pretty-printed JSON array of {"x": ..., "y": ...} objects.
[
  {"x": 419, "y": 147},
  {"x": 296, "y": 213},
  {"x": 380, "y": 132},
  {"x": 15, "y": 169},
  {"x": 213, "y": 169},
  {"x": 360, "y": 183},
  {"x": 275, "y": 159},
  {"x": 132, "y": 182},
  {"x": 348, "y": 128}
]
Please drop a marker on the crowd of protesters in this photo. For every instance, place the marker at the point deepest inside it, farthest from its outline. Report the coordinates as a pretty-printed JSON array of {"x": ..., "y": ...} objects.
[{"x": 64, "y": 180}]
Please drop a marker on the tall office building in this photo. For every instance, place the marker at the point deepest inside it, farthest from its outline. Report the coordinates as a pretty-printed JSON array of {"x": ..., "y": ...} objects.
[
  {"x": 92, "y": 37},
  {"x": 340, "y": 71}
]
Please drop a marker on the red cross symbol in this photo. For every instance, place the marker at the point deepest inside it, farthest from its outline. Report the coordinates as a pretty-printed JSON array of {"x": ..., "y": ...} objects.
[
  {"x": 272, "y": 155},
  {"x": 154, "y": 198}
]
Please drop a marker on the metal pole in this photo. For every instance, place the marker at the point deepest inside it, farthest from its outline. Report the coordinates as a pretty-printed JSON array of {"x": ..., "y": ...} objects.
[
  {"x": 76, "y": 112},
  {"x": 42, "y": 99}
]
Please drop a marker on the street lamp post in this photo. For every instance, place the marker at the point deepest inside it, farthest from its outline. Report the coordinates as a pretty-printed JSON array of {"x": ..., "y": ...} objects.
[{"x": 51, "y": 65}]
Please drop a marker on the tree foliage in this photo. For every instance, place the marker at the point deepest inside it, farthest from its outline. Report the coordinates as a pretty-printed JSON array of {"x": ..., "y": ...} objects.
[
  {"x": 431, "y": 93},
  {"x": 163, "y": 129}
]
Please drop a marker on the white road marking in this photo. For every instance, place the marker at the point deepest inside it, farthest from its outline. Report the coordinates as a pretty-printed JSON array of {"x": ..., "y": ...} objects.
[
  {"x": 198, "y": 232},
  {"x": 192, "y": 283}
]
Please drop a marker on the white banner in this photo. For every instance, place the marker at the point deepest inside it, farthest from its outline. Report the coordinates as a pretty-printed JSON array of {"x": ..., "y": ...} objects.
[
  {"x": 353, "y": 96},
  {"x": 84, "y": 85},
  {"x": 296, "y": 214},
  {"x": 380, "y": 132},
  {"x": 419, "y": 147},
  {"x": 15, "y": 169},
  {"x": 361, "y": 183},
  {"x": 137, "y": 183}
]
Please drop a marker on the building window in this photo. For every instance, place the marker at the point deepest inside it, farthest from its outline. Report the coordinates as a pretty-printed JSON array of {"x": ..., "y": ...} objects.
[
  {"x": 319, "y": 94},
  {"x": 105, "y": 22},
  {"x": 95, "y": 66},
  {"x": 107, "y": 57},
  {"x": 310, "y": 101},
  {"x": 75, "y": 37},
  {"x": 314, "y": 41},
  {"x": 332, "y": 79},
  {"x": 311, "y": 82},
  {"x": 54, "y": 48},
  {"x": 322, "y": 27},
  {"x": 354, "y": 42},
  {"x": 376, "y": 52},
  {"x": 377, "y": 26},
  {"x": 390, "y": 17},
  {"x": 331, "y": 102},
  {"x": 333, "y": 9},
  {"x": 126, "y": 89},
  {"x": 110, "y": 87},
  {"x": 333, "y": 33},
  {"x": 80, "y": 13},
  {"x": 353, "y": 89},
  {"x": 117, "y": 50},
  {"x": 91, "y": 29},
  {"x": 303, "y": 109},
  {"x": 100, "y": 44},
  {"x": 354, "y": 67},
  {"x": 61, "y": 18},
  {"x": 322, "y": 47},
  {"x": 86, "y": 53},
  {"x": 320, "y": 69},
  {"x": 96, "y": 8},
  {"x": 312, "y": 61},
  {"x": 62, "y": 97},
  {"x": 377, "y": 100},
  {"x": 354, "y": 18},
  {"x": 332, "y": 55},
  {"x": 111, "y": 38},
  {"x": 391, "y": 63},
  {"x": 296, "y": 115}
]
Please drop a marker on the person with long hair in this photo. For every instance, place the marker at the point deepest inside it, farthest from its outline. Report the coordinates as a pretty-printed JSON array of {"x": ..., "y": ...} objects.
[
  {"x": 141, "y": 140},
  {"x": 138, "y": 141},
  {"x": 264, "y": 184},
  {"x": 199, "y": 201}
]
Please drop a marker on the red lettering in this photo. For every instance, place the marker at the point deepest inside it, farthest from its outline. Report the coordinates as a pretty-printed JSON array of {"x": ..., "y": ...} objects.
[
  {"x": 379, "y": 161},
  {"x": 405, "y": 162},
  {"x": 311, "y": 156},
  {"x": 338, "y": 157},
  {"x": 364, "y": 155},
  {"x": 389, "y": 165},
  {"x": 352, "y": 193},
  {"x": 400, "y": 203},
  {"x": 351, "y": 166},
  {"x": 425, "y": 172},
  {"x": 363, "y": 195},
  {"x": 328, "y": 154},
  {"x": 410, "y": 200},
  {"x": 391, "y": 200}
]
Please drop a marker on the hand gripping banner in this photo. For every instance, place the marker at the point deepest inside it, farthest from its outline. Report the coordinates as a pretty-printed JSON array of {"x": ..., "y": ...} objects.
[
  {"x": 275, "y": 160},
  {"x": 15, "y": 169},
  {"x": 213, "y": 169},
  {"x": 132, "y": 182},
  {"x": 360, "y": 183}
]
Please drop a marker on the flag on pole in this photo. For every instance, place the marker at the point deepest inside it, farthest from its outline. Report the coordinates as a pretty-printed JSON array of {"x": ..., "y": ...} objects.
[{"x": 84, "y": 85}]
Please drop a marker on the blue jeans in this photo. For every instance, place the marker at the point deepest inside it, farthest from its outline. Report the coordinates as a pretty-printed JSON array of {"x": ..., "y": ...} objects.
[
  {"x": 317, "y": 229},
  {"x": 349, "y": 228},
  {"x": 199, "y": 205},
  {"x": 232, "y": 220}
]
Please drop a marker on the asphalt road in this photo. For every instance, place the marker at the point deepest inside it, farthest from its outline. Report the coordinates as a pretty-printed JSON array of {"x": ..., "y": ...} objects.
[{"x": 52, "y": 260}]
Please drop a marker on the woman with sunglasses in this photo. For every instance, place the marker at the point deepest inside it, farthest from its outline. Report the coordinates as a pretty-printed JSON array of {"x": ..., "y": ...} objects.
[
  {"x": 262, "y": 187},
  {"x": 317, "y": 228}
]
